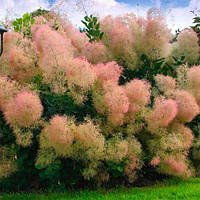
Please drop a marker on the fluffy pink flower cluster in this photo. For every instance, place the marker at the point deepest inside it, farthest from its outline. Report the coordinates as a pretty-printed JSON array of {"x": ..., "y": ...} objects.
[
  {"x": 78, "y": 40},
  {"x": 138, "y": 94},
  {"x": 80, "y": 73},
  {"x": 187, "y": 106},
  {"x": 50, "y": 43},
  {"x": 96, "y": 52},
  {"x": 165, "y": 110},
  {"x": 117, "y": 103},
  {"x": 22, "y": 67},
  {"x": 89, "y": 136},
  {"x": 155, "y": 161},
  {"x": 156, "y": 37},
  {"x": 59, "y": 134},
  {"x": 165, "y": 83},
  {"x": 24, "y": 109},
  {"x": 127, "y": 38},
  {"x": 110, "y": 71},
  {"x": 8, "y": 89},
  {"x": 57, "y": 61},
  {"x": 121, "y": 37},
  {"x": 11, "y": 39},
  {"x": 175, "y": 165}
]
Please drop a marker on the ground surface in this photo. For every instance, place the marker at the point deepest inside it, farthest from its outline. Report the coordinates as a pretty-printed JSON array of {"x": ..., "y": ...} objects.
[{"x": 169, "y": 190}]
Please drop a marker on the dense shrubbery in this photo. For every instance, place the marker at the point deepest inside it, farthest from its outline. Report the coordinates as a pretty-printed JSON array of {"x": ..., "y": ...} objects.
[{"x": 75, "y": 111}]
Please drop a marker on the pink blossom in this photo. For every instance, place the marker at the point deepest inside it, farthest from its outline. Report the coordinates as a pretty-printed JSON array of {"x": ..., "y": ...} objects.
[
  {"x": 187, "y": 106},
  {"x": 121, "y": 37},
  {"x": 11, "y": 39},
  {"x": 163, "y": 114},
  {"x": 155, "y": 161},
  {"x": 165, "y": 83},
  {"x": 22, "y": 66},
  {"x": 51, "y": 43},
  {"x": 175, "y": 165},
  {"x": 59, "y": 132},
  {"x": 78, "y": 39},
  {"x": 138, "y": 94},
  {"x": 116, "y": 100},
  {"x": 79, "y": 72},
  {"x": 8, "y": 89},
  {"x": 96, "y": 52},
  {"x": 156, "y": 37},
  {"x": 24, "y": 109},
  {"x": 108, "y": 72}
]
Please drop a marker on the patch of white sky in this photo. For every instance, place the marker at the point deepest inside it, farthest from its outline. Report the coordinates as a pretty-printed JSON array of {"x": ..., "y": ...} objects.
[{"x": 176, "y": 17}]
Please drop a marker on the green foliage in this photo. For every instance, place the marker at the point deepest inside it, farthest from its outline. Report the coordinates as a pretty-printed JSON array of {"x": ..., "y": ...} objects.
[
  {"x": 92, "y": 30},
  {"x": 116, "y": 169},
  {"x": 24, "y": 24},
  {"x": 196, "y": 27},
  {"x": 39, "y": 12},
  {"x": 174, "y": 39},
  {"x": 150, "y": 68}
]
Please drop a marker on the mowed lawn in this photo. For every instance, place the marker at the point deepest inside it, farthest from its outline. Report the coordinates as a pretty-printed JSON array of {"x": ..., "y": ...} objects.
[{"x": 169, "y": 190}]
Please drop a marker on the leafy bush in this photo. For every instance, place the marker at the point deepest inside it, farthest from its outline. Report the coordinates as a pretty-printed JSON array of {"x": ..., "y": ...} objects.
[
  {"x": 70, "y": 117},
  {"x": 24, "y": 24}
]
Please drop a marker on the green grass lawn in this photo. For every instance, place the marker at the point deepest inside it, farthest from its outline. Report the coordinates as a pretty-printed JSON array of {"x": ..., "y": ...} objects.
[{"x": 169, "y": 190}]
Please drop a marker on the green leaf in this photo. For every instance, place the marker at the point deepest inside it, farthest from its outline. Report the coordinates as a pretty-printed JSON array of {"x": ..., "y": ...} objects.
[
  {"x": 95, "y": 20},
  {"x": 32, "y": 21},
  {"x": 84, "y": 22},
  {"x": 96, "y": 33},
  {"x": 90, "y": 32},
  {"x": 86, "y": 18},
  {"x": 88, "y": 35},
  {"x": 90, "y": 25},
  {"x": 101, "y": 35},
  {"x": 92, "y": 40},
  {"x": 182, "y": 58},
  {"x": 175, "y": 58},
  {"x": 120, "y": 169},
  {"x": 97, "y": 26}
]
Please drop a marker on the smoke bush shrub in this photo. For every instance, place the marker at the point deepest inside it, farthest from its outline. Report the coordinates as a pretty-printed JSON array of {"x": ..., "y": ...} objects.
[{"x": 76, "y": 113}]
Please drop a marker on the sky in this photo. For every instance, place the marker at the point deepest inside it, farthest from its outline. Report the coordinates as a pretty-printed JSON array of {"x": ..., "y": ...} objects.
[{"x": 176, "y": 12}]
